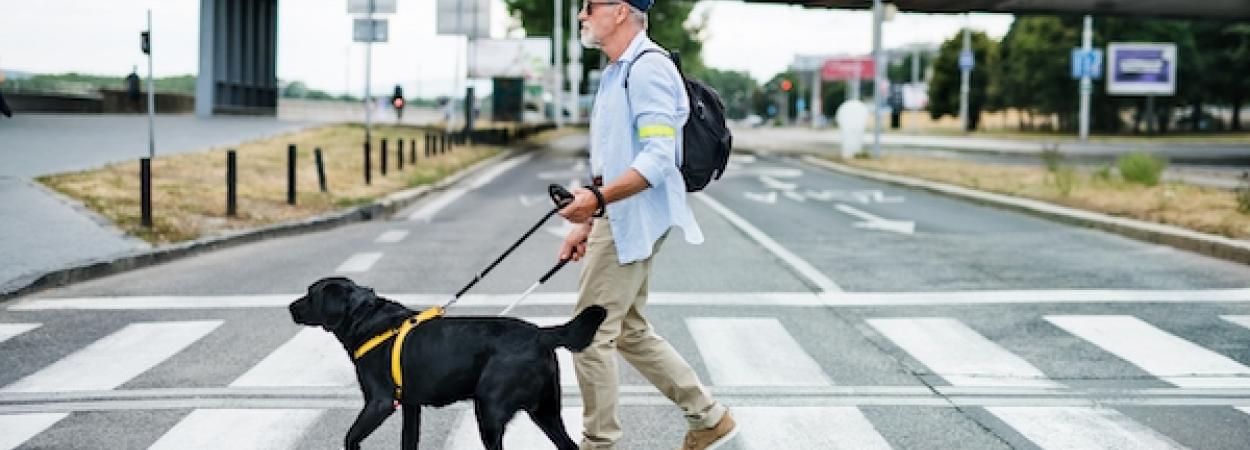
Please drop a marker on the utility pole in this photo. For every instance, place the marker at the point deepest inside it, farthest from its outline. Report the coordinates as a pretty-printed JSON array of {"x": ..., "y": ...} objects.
[
  {"x": 369, "y": 76},
  {"x": 1087, "y": 85},
  {"x": 879, "y": 72},
  {"x": 151, "y": 94},
  {"x": 965, "y": 74},
  {"x": 558, "y": 78},
  {"x": 575, "y": 65}
]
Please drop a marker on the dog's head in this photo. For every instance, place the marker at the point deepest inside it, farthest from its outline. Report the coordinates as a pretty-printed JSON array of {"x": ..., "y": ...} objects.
[{"x": 330, "y": 303}]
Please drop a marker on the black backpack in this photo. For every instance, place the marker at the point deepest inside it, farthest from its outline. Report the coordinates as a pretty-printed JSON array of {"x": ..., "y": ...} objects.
[{"x": 706, "y": 141}]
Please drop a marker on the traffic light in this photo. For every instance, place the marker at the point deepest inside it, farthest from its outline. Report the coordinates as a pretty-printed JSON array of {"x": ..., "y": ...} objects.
[
  {"x": 397, "y": 100},
  {"x": 786, "y": 85},
  {"x": 145, "y": 42}
]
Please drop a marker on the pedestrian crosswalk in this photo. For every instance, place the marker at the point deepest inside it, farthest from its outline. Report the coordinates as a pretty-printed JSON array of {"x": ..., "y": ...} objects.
[{"x": 758, "y": 354}]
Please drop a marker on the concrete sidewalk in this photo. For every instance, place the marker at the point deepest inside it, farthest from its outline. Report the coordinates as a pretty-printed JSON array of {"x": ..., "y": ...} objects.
[
  {"x": 1208, "y": 164},
  {"x": 42, "y": 231}
]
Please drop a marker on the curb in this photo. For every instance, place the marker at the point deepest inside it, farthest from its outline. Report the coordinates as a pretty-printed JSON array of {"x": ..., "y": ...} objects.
[
  {"x": 380, "y": 208},
  {"x": 1180, "y": 238}
]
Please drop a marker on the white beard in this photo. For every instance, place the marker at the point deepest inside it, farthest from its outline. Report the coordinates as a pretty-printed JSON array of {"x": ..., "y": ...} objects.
[{"x": 589, "y": 40}]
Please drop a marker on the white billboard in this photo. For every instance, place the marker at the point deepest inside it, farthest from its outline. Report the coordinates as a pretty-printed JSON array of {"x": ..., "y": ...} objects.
[
  {"x": 528, "y": 58},
  {"x": 1141, "y": 68},
  {"x": 470, "y": 18}
]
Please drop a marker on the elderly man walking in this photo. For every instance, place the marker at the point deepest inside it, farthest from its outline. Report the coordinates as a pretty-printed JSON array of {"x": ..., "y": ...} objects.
[{"x": 638, "y": 195}]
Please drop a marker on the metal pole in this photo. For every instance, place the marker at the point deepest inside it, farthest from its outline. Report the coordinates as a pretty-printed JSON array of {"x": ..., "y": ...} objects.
[
  {"x": 915, "y": 81},
  {"x": 558, "y": 79},
  {"x": 964, "y": 80},
  {"x": 818, "y": 118},
  {"x": 1087, "y": 85},
  {"x": 879, "y": 72},
  {"x": 369, "y": 77},
  {"x": 151, "y": 95}
]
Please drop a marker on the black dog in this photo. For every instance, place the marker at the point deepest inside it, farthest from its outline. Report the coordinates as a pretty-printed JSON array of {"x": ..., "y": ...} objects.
[{"x": 505, "y": 365}]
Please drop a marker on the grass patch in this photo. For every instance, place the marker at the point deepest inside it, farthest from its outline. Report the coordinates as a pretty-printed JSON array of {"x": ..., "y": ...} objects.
[
  {"x": 189, "y": 190},
  {"x": 1142, "y": 168},
  {"x": 1208, "y": 210}
]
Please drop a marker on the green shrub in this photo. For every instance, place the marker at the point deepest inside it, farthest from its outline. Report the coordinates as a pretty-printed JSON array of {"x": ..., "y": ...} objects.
[
  {"x": 1243, "y": 194},
  {"x": 1051, "y": 158},
  {"x": 1065, "y": 178},
  {"x": 1142, "y": 168},
  {"x": 1103, "y": 173}
]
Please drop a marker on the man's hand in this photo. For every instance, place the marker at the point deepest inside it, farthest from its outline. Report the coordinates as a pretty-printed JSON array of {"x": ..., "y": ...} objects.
[
  {"x": 574, "y": 247},
  {"x": 582, "y": 208}
]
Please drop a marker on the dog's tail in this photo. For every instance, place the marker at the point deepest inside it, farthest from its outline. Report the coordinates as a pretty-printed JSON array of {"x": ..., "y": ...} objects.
[{"x": 577, "y": 333}]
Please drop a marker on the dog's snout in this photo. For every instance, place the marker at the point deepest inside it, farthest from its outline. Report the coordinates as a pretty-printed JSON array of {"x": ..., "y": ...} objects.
[{"x": 297, "y": 310}]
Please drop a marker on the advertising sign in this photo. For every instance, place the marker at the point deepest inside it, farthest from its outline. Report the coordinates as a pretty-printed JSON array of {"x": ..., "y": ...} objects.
[
  {"x": 840, "y": 69},
  {"x": 527, "y": 58},
  {"x": 1141, "y": 69}
]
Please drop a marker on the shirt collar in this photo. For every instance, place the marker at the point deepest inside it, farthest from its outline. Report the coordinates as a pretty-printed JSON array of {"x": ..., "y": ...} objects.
[{"x": 635, "y": 46}]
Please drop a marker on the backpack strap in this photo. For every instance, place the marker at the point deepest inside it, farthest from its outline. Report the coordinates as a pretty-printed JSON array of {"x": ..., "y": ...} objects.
[{"x": 629, "y": 68}]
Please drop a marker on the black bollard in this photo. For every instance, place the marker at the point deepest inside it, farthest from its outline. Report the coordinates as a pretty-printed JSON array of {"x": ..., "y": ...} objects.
[
  {"x": 290, "y": 174},
  {"x": 383, "y": 156},
  {"x": 399, "y": 154},
  {"x": 232, "y": 181},
  {"x": 321, "y": 170},
  {"x": 412, "y": 151},
  {"x": 368, "y": 157},
  {"x": 145, "y": 192}
]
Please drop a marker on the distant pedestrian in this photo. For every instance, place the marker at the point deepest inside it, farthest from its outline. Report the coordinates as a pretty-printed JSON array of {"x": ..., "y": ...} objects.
[
  {"x": 132, "y": 87},
  {"x": 4, "y": 107}
]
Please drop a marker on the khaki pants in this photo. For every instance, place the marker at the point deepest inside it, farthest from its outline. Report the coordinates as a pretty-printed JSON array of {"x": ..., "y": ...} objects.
[{"x": 622, "y": 290}]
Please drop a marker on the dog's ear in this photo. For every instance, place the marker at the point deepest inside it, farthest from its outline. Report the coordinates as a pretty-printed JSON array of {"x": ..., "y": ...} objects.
[{"x": 330, "y": 300}]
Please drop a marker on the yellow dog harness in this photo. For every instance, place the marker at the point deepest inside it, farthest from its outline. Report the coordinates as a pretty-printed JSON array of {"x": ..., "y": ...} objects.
[{"x": 397, "y": 371}]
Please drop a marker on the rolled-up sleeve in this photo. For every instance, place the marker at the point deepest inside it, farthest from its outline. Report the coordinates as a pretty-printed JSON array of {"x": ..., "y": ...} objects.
[{"x": 654, "y": 90}]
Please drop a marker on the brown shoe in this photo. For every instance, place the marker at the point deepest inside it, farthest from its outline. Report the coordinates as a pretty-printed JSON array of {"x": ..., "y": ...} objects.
[{"x": 711, "y": 438}]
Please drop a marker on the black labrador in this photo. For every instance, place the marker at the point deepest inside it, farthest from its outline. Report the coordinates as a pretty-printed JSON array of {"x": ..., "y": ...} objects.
[{"x": 504, "y": 364}]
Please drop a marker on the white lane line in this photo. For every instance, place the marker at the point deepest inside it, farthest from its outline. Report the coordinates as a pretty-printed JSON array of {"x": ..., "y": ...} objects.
[
  {"x": 431, "y": 208},
  {"x": 391, "y": 236},
  {"x": 1081, "y": 428},
  {"x": 770, "y": 427},
  {"x": 1162, "y": 354},
  {"x": 239, "y": 429},
  {"x": 313, "y": 357},
  {"x": 964, "y": 358},
  {"x": 115, "y": 359},
  {"x": 568, "y": 376},
  {"x": 958, "y": 354},
  {"x": 19, "y": 428},
  {"x": 753, "y": 352},
  {"x": 360, "y": 262},
  {"x": 1239, "y": 320},
  {"x": 803, "y": 267},
  {"x": 783, "y": 299},
  {"x": 10, "y": 330},
  {"x": 521, "y": 433}
]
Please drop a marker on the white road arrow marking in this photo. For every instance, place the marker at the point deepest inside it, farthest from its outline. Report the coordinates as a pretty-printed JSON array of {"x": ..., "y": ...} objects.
[
  {"x": 878, "y": 223},
  {"x": 822, "y": 196},
  {"x": 879, "y": 197},
  {"x": 774, "y": 183},
  {"x": 795, "y": 196},
  {"x": 769, "y": 197}
]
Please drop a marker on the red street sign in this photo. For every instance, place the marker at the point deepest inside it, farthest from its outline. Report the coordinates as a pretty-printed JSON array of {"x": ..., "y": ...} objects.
[{"x": 839, "y": 69}]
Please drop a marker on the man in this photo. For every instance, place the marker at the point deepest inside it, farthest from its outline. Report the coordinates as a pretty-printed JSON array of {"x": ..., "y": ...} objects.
[{"x": 634, "y": 154}]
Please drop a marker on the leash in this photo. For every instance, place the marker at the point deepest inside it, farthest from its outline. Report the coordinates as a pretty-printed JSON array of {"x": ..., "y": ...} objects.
[{"x": 561, "y": 197}]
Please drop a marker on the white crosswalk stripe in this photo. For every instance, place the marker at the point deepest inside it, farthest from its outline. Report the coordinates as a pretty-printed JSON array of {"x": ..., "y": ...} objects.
[
  {"x": 766, "y": 428},
  {"x": 11, "y": 330},
  {"x": 753, "y": 352},
  {"x": 312, "y": 358},
  {"x": 391, "y": 236},
  {"x": 267, "y": 429},
  {"x": 18, "y": 428},
  {"x": 521, "y": 433},
  {"x": 964, "y": 357},
  {"x": 1239, "y": 320},
  {"x": 116, "y": 358},
  {"x": 1162, "y": 354}
]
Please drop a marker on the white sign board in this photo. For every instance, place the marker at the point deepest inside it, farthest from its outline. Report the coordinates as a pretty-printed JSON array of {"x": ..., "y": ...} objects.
[
  {"x": 528, "y": 58},
  {"x": 369, "y": 30},
  {"x": 379, "y": 6},
  {"x": 470, "y": 18},
  {"x": 1141, "y": 69}
]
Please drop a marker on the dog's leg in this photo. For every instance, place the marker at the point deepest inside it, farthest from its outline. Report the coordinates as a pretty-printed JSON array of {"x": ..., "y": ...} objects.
[
  {"x": 412, "y": 426},
  {"x": 374, "y": 412},
  {"x": 547, "y": 417},
  {"x": 491, "y": 420}
]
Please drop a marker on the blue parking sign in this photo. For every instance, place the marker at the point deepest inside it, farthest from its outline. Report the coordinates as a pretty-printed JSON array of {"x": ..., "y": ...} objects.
[
  {"x": 966, "y": 60},
  {"x": 1087, "y": 62}
]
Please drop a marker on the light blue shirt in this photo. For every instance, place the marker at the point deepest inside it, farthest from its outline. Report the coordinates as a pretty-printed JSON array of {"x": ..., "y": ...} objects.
[{"x": 656, "y": 101}]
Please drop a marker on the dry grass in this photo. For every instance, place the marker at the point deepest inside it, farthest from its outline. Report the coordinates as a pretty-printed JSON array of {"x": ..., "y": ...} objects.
[
  {"x": 1197, "y": 208},
  {"x": 189, "y": 190}
]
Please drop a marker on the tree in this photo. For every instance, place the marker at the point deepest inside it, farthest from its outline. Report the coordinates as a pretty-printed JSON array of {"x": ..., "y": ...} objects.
[
  {"x": 944, "y": 87},
  {"x": 735, "y": 89},
  {"x": 666, "y": 26}
]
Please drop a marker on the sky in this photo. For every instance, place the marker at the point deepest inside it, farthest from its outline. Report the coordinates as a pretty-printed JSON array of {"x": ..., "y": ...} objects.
[{"x": 314, "y": 39}]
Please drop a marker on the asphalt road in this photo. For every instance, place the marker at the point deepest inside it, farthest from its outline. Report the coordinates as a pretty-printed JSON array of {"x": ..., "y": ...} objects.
[{"x": 826, "y": 311}]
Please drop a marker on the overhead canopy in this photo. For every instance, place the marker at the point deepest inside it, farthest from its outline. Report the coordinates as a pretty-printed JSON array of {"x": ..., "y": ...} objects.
[{"x": 1198, "y": 9}]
